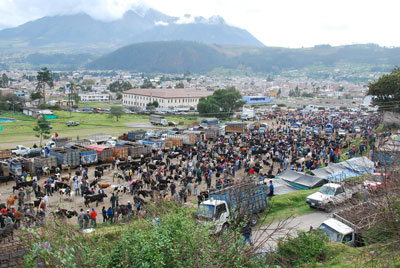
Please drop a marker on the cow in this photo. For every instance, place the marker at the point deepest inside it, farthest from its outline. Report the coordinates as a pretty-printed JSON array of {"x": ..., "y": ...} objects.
[
  {"x": 145, "y": 193},
  {"x": 97, "y": 174},
  {"x": 61, "y": 185},
  {"x": 11, "y": 201},
  {"x": 100, "y": 170},
  {"x": 39, "y": 194},
  {"x": 65, "y": 178},
  {"x": 93, "y": 183},
  {"x": 94, "y": 198},
  {"x": 22, "y": 185},
  {"x": 36, "y": 203},
  {"x": 65, "y": 191},
  {"x": 104, "y": 185},
  {"x": 120, "y": 189},
  {"x": 63, "y": 213}
]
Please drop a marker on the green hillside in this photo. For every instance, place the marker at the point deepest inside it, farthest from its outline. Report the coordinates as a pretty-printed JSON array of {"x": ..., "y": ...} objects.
[{"x": 182, "y": 56}]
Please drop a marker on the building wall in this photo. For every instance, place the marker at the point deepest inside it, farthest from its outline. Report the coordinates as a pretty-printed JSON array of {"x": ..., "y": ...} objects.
[
  {"x": 142, "y": 101},
  {"x": 94, "y": 97}
]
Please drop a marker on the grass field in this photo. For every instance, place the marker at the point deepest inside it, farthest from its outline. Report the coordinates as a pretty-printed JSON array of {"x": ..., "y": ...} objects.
[
  {"x": 287, "y": 205},
  {"x": 21, "y": 131}
]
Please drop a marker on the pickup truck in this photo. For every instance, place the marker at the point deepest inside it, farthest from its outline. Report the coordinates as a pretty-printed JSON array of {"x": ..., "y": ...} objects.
[
  {"x": 20, "y": 150},
  {"x": 222, "y": 206},
  {"x": 330, "y": 195},
  {"x": 346, "y": 226}
]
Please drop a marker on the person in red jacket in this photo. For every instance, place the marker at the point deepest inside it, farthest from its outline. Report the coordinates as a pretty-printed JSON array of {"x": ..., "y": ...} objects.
[{"x": 93, "y": 216}]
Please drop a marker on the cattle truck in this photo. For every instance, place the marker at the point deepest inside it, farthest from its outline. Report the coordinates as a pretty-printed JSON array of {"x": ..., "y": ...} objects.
[
  {"x": 156, "y": 119},
  {"x": 347, "y": 226},
  {"x": 242, "y": 200}
]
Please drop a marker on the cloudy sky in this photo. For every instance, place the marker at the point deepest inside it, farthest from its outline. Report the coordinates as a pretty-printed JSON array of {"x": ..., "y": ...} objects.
[{"x": 289, "y": 23}]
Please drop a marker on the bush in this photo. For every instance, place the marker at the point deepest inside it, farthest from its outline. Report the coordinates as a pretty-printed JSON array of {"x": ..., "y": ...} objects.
[{"x": 307, "y": 247}]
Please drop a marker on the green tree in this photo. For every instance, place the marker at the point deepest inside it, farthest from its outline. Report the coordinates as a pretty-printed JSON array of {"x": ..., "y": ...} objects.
[
  {"x": 44, "y": 77},
  {"x": 42, "y": 129},
  {"x": 386, "y": 91},
  {"x": 75, "y": 97},
  {"x": 147, "y": 84},
  {"x": 221, "y": 103},
  {"x": 117, "y": 111},
  {"x": 36, "y": 95},
  {"x": 279, "y": 93},
  {"x": 180, "y": 85},
  {"x": 119, "y": 86},
  {"x": 4, "y": 80}
]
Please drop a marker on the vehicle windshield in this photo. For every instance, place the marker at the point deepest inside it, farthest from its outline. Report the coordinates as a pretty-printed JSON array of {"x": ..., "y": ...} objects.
[
  {"x": 331, "y": 233},
  {"x": 205, "y": 211},
  {"x": 327, "y": 190}
]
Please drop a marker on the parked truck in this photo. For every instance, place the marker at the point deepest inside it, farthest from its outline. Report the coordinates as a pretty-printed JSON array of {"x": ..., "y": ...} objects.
[
  {"x": 104, "y": 154},
  {"x": 156, "y": 119},
  {"x": 331, "y": 195},
  {"x": 348, "y": 225},
  {"x": 99, "y": 137},
  {"x": 5, "y": 154},
  {"x": 66, "y": 157},
  {"x": 241, "y": 200},
  {"x": 235, "y": 127},
  {"x": 87, "y": 156}
]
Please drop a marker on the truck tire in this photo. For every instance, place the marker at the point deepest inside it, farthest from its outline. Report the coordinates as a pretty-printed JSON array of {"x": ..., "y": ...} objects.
[{"x": 253, "y": 219}]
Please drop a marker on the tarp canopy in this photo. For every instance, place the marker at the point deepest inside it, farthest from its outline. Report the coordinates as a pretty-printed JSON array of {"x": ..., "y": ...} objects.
[
  {"x": 343, "y": 170},
  {"x": 301, "y": 180},
  {"x": 281, "y": 186}
]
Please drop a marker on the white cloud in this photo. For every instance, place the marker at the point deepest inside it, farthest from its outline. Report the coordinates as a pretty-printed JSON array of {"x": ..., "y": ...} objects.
[{"x": 290, "y": 23}]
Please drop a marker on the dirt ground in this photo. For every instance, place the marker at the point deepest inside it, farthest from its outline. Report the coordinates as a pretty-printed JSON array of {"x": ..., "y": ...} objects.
[{"x": 77, "y": 202}]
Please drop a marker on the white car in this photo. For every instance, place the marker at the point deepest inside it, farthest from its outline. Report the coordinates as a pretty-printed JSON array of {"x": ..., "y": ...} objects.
[
  {"x": 357, "y": 129},
  {"x": 20, "y": 150},
  {"x": 330, "y": 195}
]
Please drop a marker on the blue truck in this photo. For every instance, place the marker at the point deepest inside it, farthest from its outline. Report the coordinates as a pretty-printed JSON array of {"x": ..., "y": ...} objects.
[{"x": 245, "y": 200}]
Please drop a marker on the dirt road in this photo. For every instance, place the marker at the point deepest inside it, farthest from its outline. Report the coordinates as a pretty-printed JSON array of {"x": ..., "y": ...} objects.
[{"x": 267, "y": 237}]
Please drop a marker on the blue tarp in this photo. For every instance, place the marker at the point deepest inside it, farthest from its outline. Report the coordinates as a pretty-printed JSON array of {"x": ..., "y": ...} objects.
[{"x": 343, "y": 170}]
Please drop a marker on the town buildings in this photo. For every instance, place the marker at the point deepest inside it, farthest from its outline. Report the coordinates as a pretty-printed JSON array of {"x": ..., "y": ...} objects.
[{"x": 166, "y": 97}]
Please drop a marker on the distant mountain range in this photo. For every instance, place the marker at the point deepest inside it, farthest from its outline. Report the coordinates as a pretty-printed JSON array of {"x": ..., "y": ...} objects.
[
  {"x": 82, "y": 31},
  {"x": 183, "y": 56}
]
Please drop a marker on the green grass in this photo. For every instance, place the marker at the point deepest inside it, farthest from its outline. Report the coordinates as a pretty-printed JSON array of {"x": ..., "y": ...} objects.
[
  {"x": 287, "y": 205},
  {"x": 97, "y": 104},
  {"x": 21, "y": 132}
]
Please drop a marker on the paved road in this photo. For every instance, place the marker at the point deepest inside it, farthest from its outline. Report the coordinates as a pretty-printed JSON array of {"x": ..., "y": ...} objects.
[{"x": 267, "y": 236}]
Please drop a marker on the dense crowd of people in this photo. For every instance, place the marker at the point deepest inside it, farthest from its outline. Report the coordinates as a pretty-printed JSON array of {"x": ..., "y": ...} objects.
[{"x": 183, "y": 173}]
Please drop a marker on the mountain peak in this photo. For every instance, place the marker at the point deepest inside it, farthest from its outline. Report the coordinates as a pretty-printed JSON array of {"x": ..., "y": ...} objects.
[{"x": 137, "y": 25}]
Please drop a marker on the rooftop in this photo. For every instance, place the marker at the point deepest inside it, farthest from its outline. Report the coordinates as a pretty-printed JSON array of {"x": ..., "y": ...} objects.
[{"x": 169, "y": 92}]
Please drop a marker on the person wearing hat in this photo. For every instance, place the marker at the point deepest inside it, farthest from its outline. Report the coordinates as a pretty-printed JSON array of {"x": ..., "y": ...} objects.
[
  {"x": 93, "y": 216},
  {"x": 86, "y": 218},
  {"x": 21, "y": 195}
]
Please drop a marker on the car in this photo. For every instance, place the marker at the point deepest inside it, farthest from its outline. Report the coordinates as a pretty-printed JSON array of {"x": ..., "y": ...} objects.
[
  {"x": 309, "y": 129},
  {"x": 72, "y": 123},
  {"x": 330, "y": 195},
  {"x": 20, "y": 150},
  {"x": 357, "y": 129},
  {"x": 172, "y": 124},
  {"x": 33, "y": 153}
]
